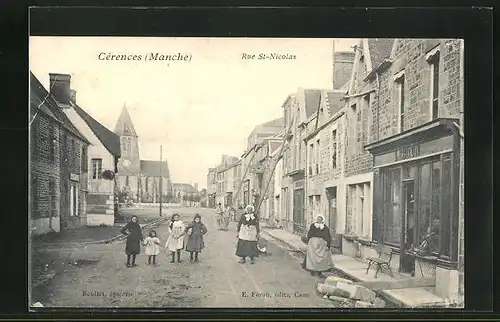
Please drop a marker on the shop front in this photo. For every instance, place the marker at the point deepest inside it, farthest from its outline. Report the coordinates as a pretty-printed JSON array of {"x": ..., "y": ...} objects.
[{"x": 415, "y": 208}]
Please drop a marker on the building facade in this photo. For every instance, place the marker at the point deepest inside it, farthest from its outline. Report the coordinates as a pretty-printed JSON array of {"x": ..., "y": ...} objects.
[
  {"x": 136, "y": 178},
  {"x": 211, "y": 187},
  {"x": 325, "y": 164},
  {"x": 415, "y": 146},
  {"x": 103, "y": 154},
  {"x": 225, "y": 179},
  {"x": 186, "y": 194},
  {"x": 57, "y": 158}
]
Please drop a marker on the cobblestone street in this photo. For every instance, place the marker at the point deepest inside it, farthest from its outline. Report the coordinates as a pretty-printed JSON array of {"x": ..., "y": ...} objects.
[{"x": 97, "y": 276}]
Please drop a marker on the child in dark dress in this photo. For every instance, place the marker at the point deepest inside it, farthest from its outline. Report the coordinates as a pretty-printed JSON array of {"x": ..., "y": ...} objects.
[
  {"x": 134, "y": 237},
  {"x": 195, "y": 232}
]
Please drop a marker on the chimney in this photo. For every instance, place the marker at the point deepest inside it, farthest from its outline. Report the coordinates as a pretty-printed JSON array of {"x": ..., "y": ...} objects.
[
  {"x": 60, "y": 87},
  {"x": 72, "y": 95},
  {"x": 343, "y": 62}
]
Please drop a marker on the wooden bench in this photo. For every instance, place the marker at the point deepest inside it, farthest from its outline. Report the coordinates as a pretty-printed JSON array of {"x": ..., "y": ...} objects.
[{"x": 383, "y": 260}]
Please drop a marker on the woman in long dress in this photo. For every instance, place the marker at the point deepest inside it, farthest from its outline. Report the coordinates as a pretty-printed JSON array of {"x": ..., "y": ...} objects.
[
  {"x": 175, "y": 241},
  {"x": 318, "y": 258},
  {"x": 134, "y": 237},
  {"x": 248, "y": 235}
]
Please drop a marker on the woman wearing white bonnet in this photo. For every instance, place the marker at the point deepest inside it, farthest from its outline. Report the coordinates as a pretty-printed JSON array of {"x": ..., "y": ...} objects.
[
  {"x": 248, "y": 234},
  {"x": 318, "y": 258}
]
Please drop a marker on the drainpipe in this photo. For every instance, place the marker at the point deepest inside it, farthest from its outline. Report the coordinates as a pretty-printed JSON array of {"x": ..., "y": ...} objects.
[{"x": 378, "y": 105}]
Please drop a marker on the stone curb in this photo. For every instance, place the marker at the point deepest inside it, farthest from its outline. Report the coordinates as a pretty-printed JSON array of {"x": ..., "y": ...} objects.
[
  {"x": 382, "y": 294},
  {"x": 279, "y": 240}
]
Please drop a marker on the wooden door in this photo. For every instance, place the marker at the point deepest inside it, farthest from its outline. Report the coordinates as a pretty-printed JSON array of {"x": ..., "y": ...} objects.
[
  {"x": 332, "y": 214},
  {"x": 298, "y": 211}
]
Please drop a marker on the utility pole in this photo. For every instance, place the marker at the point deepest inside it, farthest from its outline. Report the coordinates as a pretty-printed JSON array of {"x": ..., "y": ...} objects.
[{"x": 161, "y": 178}]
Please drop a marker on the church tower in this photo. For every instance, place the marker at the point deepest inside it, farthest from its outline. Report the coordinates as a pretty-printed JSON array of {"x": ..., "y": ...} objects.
[{"x": 129, "y": 165}]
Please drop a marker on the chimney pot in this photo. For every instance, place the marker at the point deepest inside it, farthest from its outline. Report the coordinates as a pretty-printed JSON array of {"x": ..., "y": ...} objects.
[
  {"x": 72, "y": 95},
  {"x": 60, "y": 87}
]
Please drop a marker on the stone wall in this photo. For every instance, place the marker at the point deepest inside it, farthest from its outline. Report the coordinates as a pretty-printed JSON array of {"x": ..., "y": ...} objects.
[{"x": 44, "y": 172}]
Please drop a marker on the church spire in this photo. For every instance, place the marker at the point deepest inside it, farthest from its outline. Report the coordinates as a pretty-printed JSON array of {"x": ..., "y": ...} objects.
[{"x": 124, "y": 126}]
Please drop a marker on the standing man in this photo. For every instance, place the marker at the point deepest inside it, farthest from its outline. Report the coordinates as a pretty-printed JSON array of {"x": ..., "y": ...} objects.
[
  {"x": 218, "y": 216},
  {"x": 225, "y": 217}
]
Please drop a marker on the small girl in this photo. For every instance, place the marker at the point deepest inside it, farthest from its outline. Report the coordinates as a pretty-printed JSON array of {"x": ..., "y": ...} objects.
[
  {"x": 152, "y": 247},
  {"x": 175, "y": 241},
  {"x": 195, "y": 232}
]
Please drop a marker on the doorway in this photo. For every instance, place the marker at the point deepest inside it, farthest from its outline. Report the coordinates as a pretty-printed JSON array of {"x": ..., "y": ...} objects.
[
  {"x": 407, "y": 264},
  {"x": 298, "y": 211},
  {"x": 331, "y": 194}
]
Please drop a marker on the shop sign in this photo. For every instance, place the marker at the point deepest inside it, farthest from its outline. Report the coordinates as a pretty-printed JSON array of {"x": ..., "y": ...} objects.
[
  {"x": 298, "y": 184},
  {"x": 74, "y": 177},
  {"x": 408, "y": 152}
]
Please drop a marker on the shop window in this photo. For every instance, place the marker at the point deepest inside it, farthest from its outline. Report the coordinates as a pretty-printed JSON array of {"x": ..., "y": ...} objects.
[{"x": 392, "y": 207}]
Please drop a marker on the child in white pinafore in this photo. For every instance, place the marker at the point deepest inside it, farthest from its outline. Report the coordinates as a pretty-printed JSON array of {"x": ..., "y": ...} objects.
[
  {"x": 175, "y": 241},
  {"x": 152, "y": 244}
]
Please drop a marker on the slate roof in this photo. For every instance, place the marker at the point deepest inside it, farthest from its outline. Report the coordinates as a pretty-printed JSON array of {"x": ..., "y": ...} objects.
[
  {"x": 312, "y": 100},
  {"x": 124, "y": 126},
  {"x": 380, "y": 49},
  {"x": 334, "y": 101},
  {"x": 110, "y": 140},
  {"x": 151, "y": 168},
  {"x": 186, "y": 187},
  {"x": 38, "y": 94},
  {"x": 273, "y": 123}
]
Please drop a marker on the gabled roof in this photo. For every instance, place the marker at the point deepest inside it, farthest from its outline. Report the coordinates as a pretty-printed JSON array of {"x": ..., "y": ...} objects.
[
  {"x": 379, "y": 49},
  {"x": 151, "y": 168},
  {"x": 110, "y": 140},
  {"x": 39, "y": 94},
  {"x": 186, "y": 187},
  {"x": 312, "y": 99},
  {"x": 124, "y": 126}
]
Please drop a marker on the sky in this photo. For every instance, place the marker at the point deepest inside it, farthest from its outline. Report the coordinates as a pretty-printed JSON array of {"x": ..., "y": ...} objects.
[{"x": 198, "y": 109}]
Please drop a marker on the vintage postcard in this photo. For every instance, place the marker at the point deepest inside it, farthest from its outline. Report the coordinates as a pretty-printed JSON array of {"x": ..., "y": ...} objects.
[{"x": 246, "y": 172}]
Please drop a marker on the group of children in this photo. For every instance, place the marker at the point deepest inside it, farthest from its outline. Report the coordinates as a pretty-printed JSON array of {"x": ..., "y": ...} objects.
[{"x": 180, "y": 237}]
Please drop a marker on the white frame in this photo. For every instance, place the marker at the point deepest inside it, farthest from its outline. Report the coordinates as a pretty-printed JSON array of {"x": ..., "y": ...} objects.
[
  {"x": 428, "y": 57},
  {"x": 399, "y": 79}
]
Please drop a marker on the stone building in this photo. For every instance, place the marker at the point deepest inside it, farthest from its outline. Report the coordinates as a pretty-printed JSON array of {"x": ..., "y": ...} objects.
[
  {"x": 325, "y": 163},
  {"x": 185, "y": 193},
  {"x": 264, "y": 168},
  {"x": 57, "y": 159},
  {"x": 224, "y": 176},
  {"x": 299, "y": 109},
  {"x": 211, "y": 187},
  {"x": 404, "y": 109},
  {"x": 103, "y": 154},
  {"x": 139, "y": 178},
  {"x": 253, "y": 165}
]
